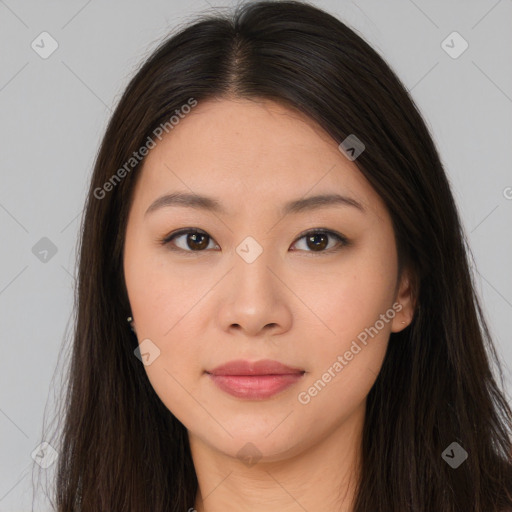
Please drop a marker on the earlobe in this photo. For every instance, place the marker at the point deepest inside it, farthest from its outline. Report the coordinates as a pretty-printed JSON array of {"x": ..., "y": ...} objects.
[{"x": 405, "y": 300}]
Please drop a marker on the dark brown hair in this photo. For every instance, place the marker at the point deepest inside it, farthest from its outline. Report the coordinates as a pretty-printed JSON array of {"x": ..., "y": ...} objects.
[{"x": 121, "y": 449}]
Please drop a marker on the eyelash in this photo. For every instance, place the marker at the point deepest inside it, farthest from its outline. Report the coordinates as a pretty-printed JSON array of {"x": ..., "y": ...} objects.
[{"x": 342, "y": 240}]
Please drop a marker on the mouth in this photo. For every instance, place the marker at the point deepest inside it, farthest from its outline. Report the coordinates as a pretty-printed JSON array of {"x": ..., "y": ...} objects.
[{"x": 257, "y": 380}]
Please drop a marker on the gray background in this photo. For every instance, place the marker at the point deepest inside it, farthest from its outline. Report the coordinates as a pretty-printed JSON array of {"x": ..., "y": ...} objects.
[{"x": 53, "y": 113}]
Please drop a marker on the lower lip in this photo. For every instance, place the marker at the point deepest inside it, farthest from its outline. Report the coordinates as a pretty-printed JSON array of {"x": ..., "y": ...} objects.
[{"x": 255, "y": 387}]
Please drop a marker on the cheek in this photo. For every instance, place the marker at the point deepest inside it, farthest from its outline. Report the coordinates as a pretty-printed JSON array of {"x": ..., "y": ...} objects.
[
  {"x": 350, "y": 297},
  {"x": 355, "y": 303},
  {"x": 162, "y": 300},
  {"x": 165, "y": 313},
  {"x": 160, "y": 293},
  {"x": 345, "y": 365}
]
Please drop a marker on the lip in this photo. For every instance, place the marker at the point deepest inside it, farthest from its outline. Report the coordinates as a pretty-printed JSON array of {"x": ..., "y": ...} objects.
[
  {"x": 256, "y": 380},
  {"x": 261, "y": 367}
]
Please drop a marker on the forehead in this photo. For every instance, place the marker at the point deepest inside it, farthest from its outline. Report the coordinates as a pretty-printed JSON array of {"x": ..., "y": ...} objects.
[{"x": 249, "y": 151}]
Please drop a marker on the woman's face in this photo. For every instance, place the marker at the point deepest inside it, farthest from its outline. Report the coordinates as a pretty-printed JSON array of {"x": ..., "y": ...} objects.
[{"x": 254, "y": 285}]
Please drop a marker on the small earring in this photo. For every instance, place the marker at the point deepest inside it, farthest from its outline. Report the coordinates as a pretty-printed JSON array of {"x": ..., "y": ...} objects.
[
  {"x": 402, "y": 322},
  {"x": 130, "y": 319}
]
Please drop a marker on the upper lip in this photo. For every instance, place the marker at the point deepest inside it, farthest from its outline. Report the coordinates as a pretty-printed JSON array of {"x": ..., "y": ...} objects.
[{"x": 262, "y": 367}]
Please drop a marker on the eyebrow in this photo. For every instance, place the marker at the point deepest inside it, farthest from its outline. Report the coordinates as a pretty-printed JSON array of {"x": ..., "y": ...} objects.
[{"x": 200, "y": 202}]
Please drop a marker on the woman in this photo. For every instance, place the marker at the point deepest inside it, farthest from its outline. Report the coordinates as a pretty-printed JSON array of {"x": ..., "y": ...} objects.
[{"x": 269, "y": 212}]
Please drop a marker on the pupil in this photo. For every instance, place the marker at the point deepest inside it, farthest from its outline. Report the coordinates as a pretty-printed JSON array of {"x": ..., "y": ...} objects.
[
  {"x": 320, "y": 245},
  {"x": 197, "y": 245}
]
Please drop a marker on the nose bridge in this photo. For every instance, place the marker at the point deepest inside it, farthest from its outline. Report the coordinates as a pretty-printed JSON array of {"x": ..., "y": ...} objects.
[
  {"x": 252, "y": 260},
  {"x": 255, "y": 293}
]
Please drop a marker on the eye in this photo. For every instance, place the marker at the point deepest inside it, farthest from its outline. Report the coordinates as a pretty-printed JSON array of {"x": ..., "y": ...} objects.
[
  {"x": 194, "y": 240},
  {"x": 318, "y": 240}
]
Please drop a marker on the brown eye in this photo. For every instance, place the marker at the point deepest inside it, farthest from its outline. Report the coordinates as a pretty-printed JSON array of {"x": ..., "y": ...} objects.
[
  {"x": 197, "y": 241},
  {"x": 188, "y": 240},
  {"x": 318, "y": 241}
]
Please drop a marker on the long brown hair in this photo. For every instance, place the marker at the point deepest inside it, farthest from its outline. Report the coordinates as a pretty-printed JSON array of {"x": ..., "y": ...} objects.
[{"x": 121, "y": 449}]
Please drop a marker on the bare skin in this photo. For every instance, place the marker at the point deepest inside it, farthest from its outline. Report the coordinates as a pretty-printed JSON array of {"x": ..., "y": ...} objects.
[{"x": 205, "y": 304}]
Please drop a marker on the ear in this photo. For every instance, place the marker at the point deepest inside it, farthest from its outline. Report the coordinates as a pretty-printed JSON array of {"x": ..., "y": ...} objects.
[{"x": 405, "y": 298}]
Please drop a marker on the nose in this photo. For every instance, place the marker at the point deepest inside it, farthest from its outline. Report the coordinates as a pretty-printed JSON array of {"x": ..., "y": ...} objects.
[{"x": 254, "y": 298}]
